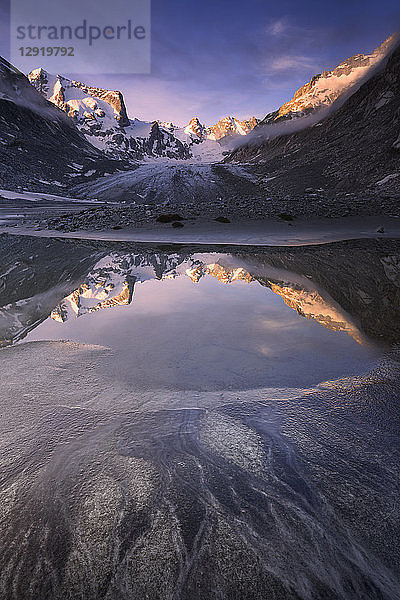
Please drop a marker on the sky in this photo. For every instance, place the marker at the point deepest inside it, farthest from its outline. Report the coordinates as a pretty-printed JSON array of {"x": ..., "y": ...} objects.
[{"x": 213, "y": 58}]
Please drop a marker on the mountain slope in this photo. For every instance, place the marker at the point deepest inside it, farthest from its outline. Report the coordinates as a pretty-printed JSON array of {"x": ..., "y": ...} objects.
[
  {"x": 325, "y": 88},
  {"x": 224, "y": 128},
  {"x": 101, "y": 116},
  {"x": 40, "y": 148},
  {"x": 231, "y": 127},
  {"x": 354, "y": 150}
]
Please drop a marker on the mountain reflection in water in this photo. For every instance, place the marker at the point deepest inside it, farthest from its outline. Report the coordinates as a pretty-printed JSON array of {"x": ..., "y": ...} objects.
[
  {"x": 219, "y": 424},
  {"x": 111, "y": 283}
]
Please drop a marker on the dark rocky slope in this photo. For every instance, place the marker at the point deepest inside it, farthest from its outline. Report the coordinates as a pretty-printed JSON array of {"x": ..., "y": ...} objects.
[
  {"x": 355, "y": 150},
  {"x": 40, "y": 148}
]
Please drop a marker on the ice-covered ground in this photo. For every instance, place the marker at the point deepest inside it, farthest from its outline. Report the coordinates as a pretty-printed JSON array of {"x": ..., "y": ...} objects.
[
  {"x": 113, "y": 493},
  {"x": 17, "y": 208},
  {"x": 41, "y": 197}
]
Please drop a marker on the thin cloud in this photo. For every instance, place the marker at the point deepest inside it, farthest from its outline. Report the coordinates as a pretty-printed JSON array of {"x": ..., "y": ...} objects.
[
  {"x": 290, "y": 48},
  {"x": 278, "y": 27},
  {"x": 283, "y": 31},
  {"x": 289, "y": 62}
]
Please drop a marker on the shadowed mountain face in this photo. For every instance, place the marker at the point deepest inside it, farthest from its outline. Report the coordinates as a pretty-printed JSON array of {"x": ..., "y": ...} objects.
[
  {"x": 349, "y": 286},
  {"x": 362, "y": 276},
  {"x": 40, "y": 147},
  {"x": 353, "y": 150}
]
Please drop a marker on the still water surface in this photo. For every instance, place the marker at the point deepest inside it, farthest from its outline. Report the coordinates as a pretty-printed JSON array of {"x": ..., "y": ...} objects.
[{"x": 200, "y": 425}]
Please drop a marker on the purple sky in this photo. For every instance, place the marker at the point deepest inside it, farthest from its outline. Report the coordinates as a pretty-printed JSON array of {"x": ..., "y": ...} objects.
[{"x": 213, "y": 58}]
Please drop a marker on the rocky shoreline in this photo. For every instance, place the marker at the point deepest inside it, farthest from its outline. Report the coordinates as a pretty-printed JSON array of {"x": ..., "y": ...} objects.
[{"x": 176, "y": 214}]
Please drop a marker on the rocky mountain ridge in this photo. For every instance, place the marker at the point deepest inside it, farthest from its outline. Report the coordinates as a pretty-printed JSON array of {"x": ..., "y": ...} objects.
[
  {"x": 40, "y": 148},
  {"x": 225, "y": 128},
  {"x": 102, "y": 117},
  {"x": 354, "y": 150},
  {"x": 326, "y": 88}
]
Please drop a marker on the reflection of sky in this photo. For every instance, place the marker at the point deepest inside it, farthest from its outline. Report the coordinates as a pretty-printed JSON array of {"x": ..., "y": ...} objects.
[
  {"x": 213, "y": 58},
  {"x": 209, "y": 335}
]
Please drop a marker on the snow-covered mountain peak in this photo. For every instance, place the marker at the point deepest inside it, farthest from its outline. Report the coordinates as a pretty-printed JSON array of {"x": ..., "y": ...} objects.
[
  {"x": 79, "y": 100},
  {"x": 230, "y": 127},
  {"x": 101, "y": 116},
  {"x": 196, "y": 128},
  {"x": 227, "y": 127},
  {"x": 325, "y": 88}
]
